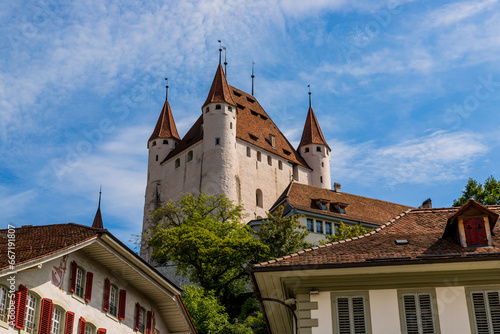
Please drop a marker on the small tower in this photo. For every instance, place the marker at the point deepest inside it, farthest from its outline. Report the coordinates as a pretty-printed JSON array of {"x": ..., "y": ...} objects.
[
  {"x": 315, "y": 151},
  {"x": 220, "y": 168},
  {"x": 98, "y": 218}
]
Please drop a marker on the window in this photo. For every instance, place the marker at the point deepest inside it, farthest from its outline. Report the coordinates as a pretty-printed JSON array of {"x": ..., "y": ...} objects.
[
  {"x": 231, "y": 125},
  {"x": 29, "y": 318},
  {"x": 89, "y": 328},
  {"x": 113, "y": 298},
  {"x": 177, "y": 163},
  {"x": 154, "y": 143},
  {"x": 318, "y": 149},
  {"x": 140, "y": 320},
  {"x": 258, "y": 156},
  {"x": 78, "y": 280},
  {"x": 341, "y": 209},
  {"x": 217, "y": 141},
  {"x": 190, "y": 156},
  {"x": 310, "y": 226},
  {"x": 157, "y": 157},
  {"x": 418, "y": 312},
  {"x": 269, "y": 160},
  {"x": 3, "y": 304},
  {"x": 272, "y": 139},
  {"x": 280, "y": 165},
  {"x": 165, "y": 141},
  {"x": 230, "y": 108},
  {"x": 258, "y": 198},
  {"x": 322, "y": 164},
  {"x": 319, "y": 226},
  {"x": 249, "y": 152},
  {"x": 321, "y": 179},
  {"x": 350, "y": 314},
  {"x": 328, "y": 228},
  {"x": 207, "y": 109},
  {"x": 306, "y": 150},
  {"x": 217, "y": 106},
  {"x": 56, "y": 321},
  {"x": 486, "y": 310}
]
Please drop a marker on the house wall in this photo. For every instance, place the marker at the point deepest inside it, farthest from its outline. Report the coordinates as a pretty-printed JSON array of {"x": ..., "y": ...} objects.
[{"x": 40, "y": 281}]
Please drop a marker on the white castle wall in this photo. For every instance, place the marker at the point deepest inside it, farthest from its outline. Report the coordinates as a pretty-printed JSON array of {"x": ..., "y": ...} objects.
[{"x": 320, "y": 163}]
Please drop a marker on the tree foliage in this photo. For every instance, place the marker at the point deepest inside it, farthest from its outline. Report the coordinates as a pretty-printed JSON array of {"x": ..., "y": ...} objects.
[
  {"x": 345, "y": 232},
  {"x": 487, "y": 194},
  {"x": 283, "y": 234}
]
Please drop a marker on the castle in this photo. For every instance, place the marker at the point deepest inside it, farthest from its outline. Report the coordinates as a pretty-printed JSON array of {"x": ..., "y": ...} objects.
[{"x": 234, "y": 148}]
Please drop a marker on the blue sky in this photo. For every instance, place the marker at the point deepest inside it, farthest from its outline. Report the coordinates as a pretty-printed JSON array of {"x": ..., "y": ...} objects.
[{"x": 406, "y": 93}]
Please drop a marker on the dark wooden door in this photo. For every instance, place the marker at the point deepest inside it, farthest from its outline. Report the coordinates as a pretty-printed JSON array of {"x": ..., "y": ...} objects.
[{"x": 475, "y": 232}]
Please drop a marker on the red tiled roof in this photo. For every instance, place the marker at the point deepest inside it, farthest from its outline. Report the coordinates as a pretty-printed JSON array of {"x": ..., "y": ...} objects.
[
  {"x": 165, "y": 126},
  {"x": 312, "y": 132},
  {"x": 423, "y": 228},
  {"x": 32, "y": 242},
  {"x": 361, "y": 209},
  {"x": 219, "y": 92},
  {"x": 98, "y": 219}
]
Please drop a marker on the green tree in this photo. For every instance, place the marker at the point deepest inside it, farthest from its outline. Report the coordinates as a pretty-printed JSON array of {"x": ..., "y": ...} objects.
[
  {"x": 487, "y": 194},
  {"x": 345, "y": 232},
  {"x": 203, "y": 237},
  {"x": 283, "y": 234}
]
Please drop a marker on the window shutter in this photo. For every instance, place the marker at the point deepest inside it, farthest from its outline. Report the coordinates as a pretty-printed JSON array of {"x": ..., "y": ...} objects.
[
  {"x": 137, "y": 315},
  {"x": 101, "y": 331},
  {"x": 68, "y": 327},
  {"x": 21, "y": 297},
  {"x": 419, "y": 318},
  {"x": 411, "y": 317},
  {"x": 426, "y": 316},
  {"x": 46, "y": 316},
  {"x": 494, "y": 303},
  {"x": 74, "y": 266},
  {"x": 107, "y": 286},
  {"x": 358, "y": 315},
  {"x": 351, "y": 317},
  {"x": 486, "y": 306},
  {"x": 121, "y": 306},
  {"x": 88, "y": 288},
  {"x": 344, "y": 323},
  {"x": 148, "y": 323},
  {"x": 81, "y": 326}
]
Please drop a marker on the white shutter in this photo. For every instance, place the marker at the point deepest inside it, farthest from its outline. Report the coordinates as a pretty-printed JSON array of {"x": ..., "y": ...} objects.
[
  {"x": 486, "y": 306},
  {"x": 351, "y": 315},
  {"x": 419, "y": 317},
  {"x": 494, "y": 306}
]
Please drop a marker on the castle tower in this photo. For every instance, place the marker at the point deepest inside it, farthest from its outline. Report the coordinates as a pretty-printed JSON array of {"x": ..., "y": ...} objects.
[
  {"x": 220, "y": 166},
  {"x": 315, "y": 151}
]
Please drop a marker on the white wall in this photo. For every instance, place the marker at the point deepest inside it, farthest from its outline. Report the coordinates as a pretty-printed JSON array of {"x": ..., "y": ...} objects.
[
  {"x": 453, "y": 313},
  {"x": 323, "y": 313},
  {"x": 384, "y": 311}
]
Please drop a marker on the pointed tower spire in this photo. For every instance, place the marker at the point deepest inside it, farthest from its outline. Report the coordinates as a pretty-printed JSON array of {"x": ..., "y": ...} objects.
[
  {"x": 165, "y": 126},
  {"x": 219, "y": 92},
  {"x": 98, "y": 218},
  {"x": 312, "y": 132}
]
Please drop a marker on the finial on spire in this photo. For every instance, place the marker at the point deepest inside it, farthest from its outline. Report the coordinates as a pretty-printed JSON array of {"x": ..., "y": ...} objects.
[
  {"x": 100, "y": 192},
  {"x": 253, "y": 76},
  {"x": 166, "y": 79},
  {"x": 220, "y": 51},
  {"x": 97, "y": 223},
  {"x": 310, "y": 104},
  {"x": 225, "y": 61}
]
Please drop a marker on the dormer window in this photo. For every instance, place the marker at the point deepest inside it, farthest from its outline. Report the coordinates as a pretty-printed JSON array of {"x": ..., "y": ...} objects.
[
  {"x": 339, "y": 207},
  {"x": 322, "y": 204}
]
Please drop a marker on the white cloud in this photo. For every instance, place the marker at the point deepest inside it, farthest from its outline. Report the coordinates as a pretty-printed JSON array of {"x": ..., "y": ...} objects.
[
  {"x": 458, "y": 11},
  {"x": 12, "y": 205}
]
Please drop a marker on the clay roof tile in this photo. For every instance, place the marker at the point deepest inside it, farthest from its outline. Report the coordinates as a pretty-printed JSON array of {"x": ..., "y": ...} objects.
[
  {"x": 312, "y": 132},
  {"x": 165, "y": 126}
]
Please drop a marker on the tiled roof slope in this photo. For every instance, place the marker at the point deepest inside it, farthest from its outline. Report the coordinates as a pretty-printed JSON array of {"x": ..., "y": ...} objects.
[
  {"x": 165, "y": 126},
  {"x": 423, "y": 228},
  {"x": 312, "y": 132},
  {"x": 253, "y": 125},
  {"x": 32, "y": 242},
  {"x": 219, "y": 92},
  {"x": 360, "y": 208}
]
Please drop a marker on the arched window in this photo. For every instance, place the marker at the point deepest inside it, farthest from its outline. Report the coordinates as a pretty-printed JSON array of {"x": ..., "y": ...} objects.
[
  {"x": 157, "y": 157},
  {"x": 217, "y": 106},
  {"x": 269, "y": 160},
  {"x": 154, "y": 143},
  {"x": 89, "y": 328},
  {"x": 321, "y": 179},
  {"x": 57, "y": 320},
  {"x": 258, "y": 198},
  {"x": 318, "y": 149},
  {"x": 190, "y": 156},
  {"x": 249, "y": 152},
  {"x": 259, "y": 156},
  {"x": 177, "y": 163},
  {"x": 280, "y": 164},
  {"x": 31, "y": 310}
]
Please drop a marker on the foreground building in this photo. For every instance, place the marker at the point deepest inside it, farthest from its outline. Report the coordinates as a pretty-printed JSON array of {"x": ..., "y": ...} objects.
[
  {"x": 424, "y": 271},
  {"x": 70, "y": 278}
]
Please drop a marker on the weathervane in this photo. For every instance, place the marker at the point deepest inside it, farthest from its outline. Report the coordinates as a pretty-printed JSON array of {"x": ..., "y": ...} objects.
[
  {"x": 225, "y": 61},
  {"x": 253, "y": 76},
  {"x": 309, "y": 86},
  {"x": 100, "y": 191},
  {"x": 220, "y": 51},
  {"x": 166, "y": 79}
]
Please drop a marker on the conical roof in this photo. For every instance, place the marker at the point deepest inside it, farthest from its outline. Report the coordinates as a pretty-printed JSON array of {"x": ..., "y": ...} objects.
[
  {"x": 98, "y": 219},
  {"x": 165, "y": 127},
  {"x": 219, "y": 92},
  {"x": 312, "y": 132}
]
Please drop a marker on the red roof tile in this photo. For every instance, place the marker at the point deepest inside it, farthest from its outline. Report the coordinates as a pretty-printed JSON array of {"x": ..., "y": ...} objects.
[
  {"x": 312, "y": 132},
  {"x": 219, "y": 92},
  {"x": 423, "y": 228},
  {"x": 32, "y": 242},
  {"x": 165, "y": 126}
]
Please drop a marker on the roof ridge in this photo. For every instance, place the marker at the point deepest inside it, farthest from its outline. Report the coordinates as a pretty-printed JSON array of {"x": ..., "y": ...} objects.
[{"x": 378, "y": 229}]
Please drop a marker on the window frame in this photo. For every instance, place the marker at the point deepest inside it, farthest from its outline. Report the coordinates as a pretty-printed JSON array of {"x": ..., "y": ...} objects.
[
  {"x": 4, "y": 308},
  {"x": 434, "y": 305},
  {"x": 350, "y": 294},
  {"x": 83, "y": 282},
  {"x": 470, "y": 305},
  {"x": 142, "y": 314},
  {"x": 310, "y": 228},
  {"x": 319, "y": 223},
  {"x": 62, "y": 320},
  {"x": 116, "y": 300},
  {"x": 36, "y": 311}
]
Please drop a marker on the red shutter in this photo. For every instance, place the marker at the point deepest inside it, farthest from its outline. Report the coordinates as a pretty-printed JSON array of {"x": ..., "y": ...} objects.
[
  {"x": 101, "y": 331},
  {"x": 81, "y": 326},
  {"x": 107, "y": 286},
  {"x": 74, "y": 266},
  {"x": 21, "y": 297},
  {"x": 137, "y": 315},
  {"x": 148, "y": 323},
  {"x": 121, "y": 306},
  {"x": 46, "y": 316},
  {"x": 68, "y": 327},
  {"x": 88, "y": 288}
]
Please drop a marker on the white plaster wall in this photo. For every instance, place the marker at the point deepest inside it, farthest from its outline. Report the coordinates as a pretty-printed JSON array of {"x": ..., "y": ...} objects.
[
  {"x": 453, "y": 313},
  {"x": 40, "y": 282},
  {"x": 384, "y": 311},
  {"x": 320, "y": 163},
  {"x": 323, "y": 313}
]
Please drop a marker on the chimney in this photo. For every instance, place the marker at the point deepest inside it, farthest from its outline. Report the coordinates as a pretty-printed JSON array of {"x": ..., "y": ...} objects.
[
  {"x": 336, "y": 187},
  {"x": 427, "y": 204}
]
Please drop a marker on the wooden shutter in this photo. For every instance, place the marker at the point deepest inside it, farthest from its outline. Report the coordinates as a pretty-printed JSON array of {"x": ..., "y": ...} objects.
[
  {"x": 21, "y": 297},
  {"x": 68, "y": 326},
  {"x": 107, "y": 286},
  {"x": 81, "y": 326},
  {"x": 46, "y": 316},
  {"x": 494, "y": 306},
  {"x": 148, "y": 323},
  {"x": 74, "y": 266},
  {"x": 137, "y": 315},
  {"x": 486, "y": 307},
  {"x": 351, "y": 316},
  {"x": 101, "y": 331},
  {"x": 88, "y": 287},
  {"x": 358, "y": 315},
  {"x": 419, "y": 318},
  {"x": 121, "y": 305}
]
